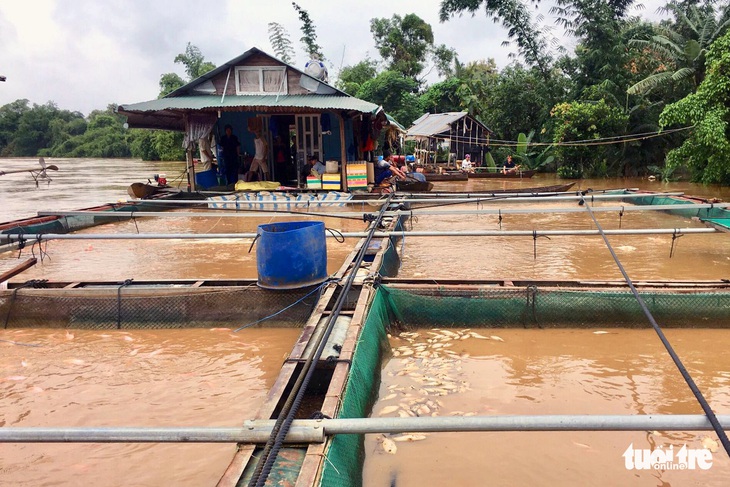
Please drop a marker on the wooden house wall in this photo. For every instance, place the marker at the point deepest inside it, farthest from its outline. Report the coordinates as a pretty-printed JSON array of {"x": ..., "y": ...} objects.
[{"x": 258, "y": 59}]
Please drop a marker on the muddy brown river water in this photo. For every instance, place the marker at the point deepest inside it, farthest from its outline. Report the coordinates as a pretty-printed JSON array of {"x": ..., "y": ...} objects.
[
  {"x": 215, "y": 378},
  {"x": 131, "y": 378}
]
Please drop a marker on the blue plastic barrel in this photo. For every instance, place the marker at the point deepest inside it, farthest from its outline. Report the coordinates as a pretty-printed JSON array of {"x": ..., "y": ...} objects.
[
  {"x": 291, "y": 255},
  {"x": 206, "y": 179}
]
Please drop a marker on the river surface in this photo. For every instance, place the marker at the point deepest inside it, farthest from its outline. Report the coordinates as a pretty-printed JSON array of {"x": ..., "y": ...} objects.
[
  {"x": 535, "y": 372},
  {"x": 74, "y": 378},
  {"x": 214, "y": 377}
]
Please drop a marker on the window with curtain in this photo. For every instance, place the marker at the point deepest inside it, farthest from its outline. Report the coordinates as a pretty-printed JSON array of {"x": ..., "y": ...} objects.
[{"x": 266, "y": 79}]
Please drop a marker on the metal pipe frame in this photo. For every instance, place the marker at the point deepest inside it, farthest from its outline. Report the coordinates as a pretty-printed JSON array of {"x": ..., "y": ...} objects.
[
  {"x": 315, "y": 430},
  {"x": 467, "y": 198},
  {"x": 484, "y": 211},
  {"x": 28, "y": 237}
]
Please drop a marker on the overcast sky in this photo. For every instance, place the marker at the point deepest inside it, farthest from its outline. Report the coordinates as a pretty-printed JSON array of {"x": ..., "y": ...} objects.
[{"x": 85, "y": 54}]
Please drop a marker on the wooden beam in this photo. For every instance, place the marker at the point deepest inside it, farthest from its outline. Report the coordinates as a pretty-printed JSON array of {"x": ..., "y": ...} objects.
[{"x": 17, "y": 269}]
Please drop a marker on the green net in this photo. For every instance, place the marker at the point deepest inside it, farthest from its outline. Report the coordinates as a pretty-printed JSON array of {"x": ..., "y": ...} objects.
[
  {"x": 345, "y": 456},
  {"x": 684, "y": 208},
  {"x": 532, "y": 306}
]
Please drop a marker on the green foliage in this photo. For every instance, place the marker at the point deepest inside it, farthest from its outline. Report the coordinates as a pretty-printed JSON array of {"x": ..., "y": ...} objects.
[
  {"x": 403, "y": 42},
  {"x": 682, "y": 47},
  {"x": 309, "y": 39},
  {"x": 280, "y": 43},
  {"x": 169, "y": 82},
  {"x": 581, "y": 121},
  {"x": 442, "y": 97},
  {"x": 514, "y": 16},
  {"x": 194, "y": 62},
  {"x": 706, "y": 152},
  {"x": 351, "y": 78},
  {"x": 528, "y": 157},
  {"x": 10, "y": 116},
  {"x": 395, "y": 94},
  {"x": 168, "y": 145}
]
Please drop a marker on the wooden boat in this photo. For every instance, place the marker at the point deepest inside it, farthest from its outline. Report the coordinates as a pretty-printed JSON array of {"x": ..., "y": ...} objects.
[
  {"x": 413, "y": 186},
  {"x": 447, "y": 176},
  {"x": 556, "y": 188},
  {"x": 484, "y": 172}
]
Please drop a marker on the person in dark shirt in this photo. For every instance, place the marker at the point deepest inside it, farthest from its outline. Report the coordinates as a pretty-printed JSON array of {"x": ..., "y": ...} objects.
[
  {"x": 510, "y": 166},
  {"x": 231, "y": 150}
]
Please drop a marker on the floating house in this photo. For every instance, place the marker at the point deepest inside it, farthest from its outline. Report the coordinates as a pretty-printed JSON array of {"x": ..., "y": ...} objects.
[
  {"x": 298, "y": 113},
  {"x": 459, "y": 131}
]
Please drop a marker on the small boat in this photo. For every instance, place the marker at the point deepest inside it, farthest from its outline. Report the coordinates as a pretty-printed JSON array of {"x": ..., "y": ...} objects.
[
  {"x": 447, "y": 176},
  {"x": 411, "y": 185},
  {"x": 555, "y": 188},
  {"x": 487, "y": 172}
]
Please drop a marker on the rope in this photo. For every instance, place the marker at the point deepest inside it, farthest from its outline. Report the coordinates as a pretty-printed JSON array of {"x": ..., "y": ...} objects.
[
  {"x": 294, "y": 400},
  {"x": 675, "y": 358},
  {"x": 534, "y": 243},
  {"x": 675, "y": 236},
  {"x": 34, "y": 283},
  {"x": 318, "y": 288},
  {"x": 339, "y": 238},
  {"x": 127, "y": 282}
]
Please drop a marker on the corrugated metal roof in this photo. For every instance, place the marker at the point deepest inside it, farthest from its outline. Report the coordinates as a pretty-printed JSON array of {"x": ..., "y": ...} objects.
[
  {"x": 253, "y": 102},
  {"x": 432, "y": 124},
  {"x": 395, "y": 122}
]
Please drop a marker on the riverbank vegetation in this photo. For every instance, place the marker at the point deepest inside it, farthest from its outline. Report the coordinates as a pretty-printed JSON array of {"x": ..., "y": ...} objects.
[{"x": 652, "y": 98}]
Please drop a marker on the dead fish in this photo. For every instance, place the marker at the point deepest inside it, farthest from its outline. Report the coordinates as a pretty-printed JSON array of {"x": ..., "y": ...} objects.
[
  {"x": 156, "y": 352},
  {"x": 75, "y": 361},
  {"x": 23, "y": 363},
  {"x": 16, "y": 378},
  {"x": 582, "y": 445},
  {"x": 600, "y": 332},
  {"x": 388, "y": 410},
  {"x": 220, "y": 329},
  {"x": 406, "y": 353},
  {"x": 423, "y": 410},
  {"x": 478, "y": 336},
  {"x": 709, "y": 444},
  {"x": 69, "y": 336},
  {"x": 409, "y": 437},
  {"x": 37, "y": 389},
  {"x": 389, "y": 397},
  {"x": 496, "y": 338},
  {"x": 128, "y": 338},
  {"x": 389, "y": 446},
  {"x": 134, "y": 352},
  {"x": 403, "y": 414}
]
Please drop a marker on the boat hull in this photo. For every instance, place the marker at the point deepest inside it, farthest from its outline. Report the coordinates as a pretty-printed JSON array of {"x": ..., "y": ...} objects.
[{"x": 500, "y": 175}]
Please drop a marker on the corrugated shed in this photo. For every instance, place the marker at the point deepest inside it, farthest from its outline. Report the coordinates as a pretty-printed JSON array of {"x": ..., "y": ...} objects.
[{"x": 432, "y": 124}]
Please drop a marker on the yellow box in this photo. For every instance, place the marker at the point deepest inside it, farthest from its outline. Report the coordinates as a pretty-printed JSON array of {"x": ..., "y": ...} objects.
[{"x": 331, "y": 181}]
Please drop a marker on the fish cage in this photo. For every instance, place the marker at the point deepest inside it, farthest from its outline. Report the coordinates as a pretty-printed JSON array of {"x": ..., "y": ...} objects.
[
  {"x": 140, "y": 306},
  {"x": 396, "y": 308}
]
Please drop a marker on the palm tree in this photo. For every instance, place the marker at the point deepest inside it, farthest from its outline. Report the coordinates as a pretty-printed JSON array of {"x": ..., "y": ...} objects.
[{"x": 684, "y": 53}]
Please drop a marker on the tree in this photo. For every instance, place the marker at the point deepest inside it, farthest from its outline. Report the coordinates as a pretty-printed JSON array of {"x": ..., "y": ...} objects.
[
  {"x": 280, "y": 43},
  {"x": 532, "y": 44},
  {"x": 309, "y": 39},
  {"x": 583, "y": 121},
  {"x": 707, "y": 149},
  {"x": 194, "y": 62},
  {"x": 395, "y": 94},
  {"x": 169, "y": 82},
  {"x": 442, "y": 97},
  {"x": 351, "y": 78},
  {"x": 682, "y": 47},
  {"x": 403, "y": 42},
  {"x": 10, "y": 116}
]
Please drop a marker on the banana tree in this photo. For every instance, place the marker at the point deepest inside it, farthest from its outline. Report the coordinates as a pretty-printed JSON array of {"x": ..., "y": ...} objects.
[{"x": 534, "y": 159}]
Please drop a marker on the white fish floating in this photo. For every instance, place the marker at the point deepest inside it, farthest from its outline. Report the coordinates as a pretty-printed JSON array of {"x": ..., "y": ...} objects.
[
  {"x": 389, "y": 397},
  {"x": 600, "y": 332},
  {"x": 388, "y": 410},
  {"x": 409, "y": 437},
  {"x": 496, "y": 338},
  {"x": 75, "y": 361},
  {"x": 476, "y": 335},
  {"x": 389, "y": 446}
]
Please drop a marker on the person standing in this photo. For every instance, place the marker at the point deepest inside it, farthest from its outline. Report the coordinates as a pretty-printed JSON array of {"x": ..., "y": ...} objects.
[
  {"x": 231, "y": 152},
  {"x": 206, "y": 155},
  {"x": 259, "y": 159}
]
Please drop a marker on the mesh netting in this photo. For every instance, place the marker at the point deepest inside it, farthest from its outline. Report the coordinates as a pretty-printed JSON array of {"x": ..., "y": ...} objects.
[
  {"x": 346, "y": 454},
  {"x": 684, "y": 208},
  {"x": 548, "y": 307},
  {"x": 161, "y": 308}
]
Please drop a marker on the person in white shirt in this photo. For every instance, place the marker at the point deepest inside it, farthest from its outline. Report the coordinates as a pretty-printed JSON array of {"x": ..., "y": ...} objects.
[
  {"x": 466, "y": 164},
  {"x": 259, "y": 162},
  {"x": 206, "y": 155}
]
